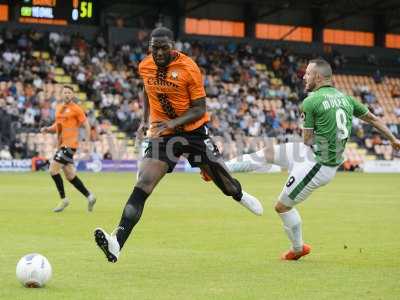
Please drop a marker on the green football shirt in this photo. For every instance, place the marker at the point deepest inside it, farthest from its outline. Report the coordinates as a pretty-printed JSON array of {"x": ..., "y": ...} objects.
[{"x": 329, "y": 113}]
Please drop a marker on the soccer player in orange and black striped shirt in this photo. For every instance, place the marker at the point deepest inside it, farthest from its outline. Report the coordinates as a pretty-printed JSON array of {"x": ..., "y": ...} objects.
[
  {"x": 175, "y": 109},
  {"x": 69, "y": 118}
]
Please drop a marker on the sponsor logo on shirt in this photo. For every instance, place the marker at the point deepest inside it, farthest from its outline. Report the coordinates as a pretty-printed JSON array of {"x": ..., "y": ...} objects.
[{"x": 161, "y": 82}]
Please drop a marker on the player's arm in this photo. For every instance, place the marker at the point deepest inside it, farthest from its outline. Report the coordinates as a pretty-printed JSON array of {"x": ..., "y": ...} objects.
[
  {"x": 49, "y": 129},
  {"x": 195, "y": 112},
  {"x": 86, "y": 125},
  {"x": 84, "y": 122},
  {"x": 382, "y": 128},
  {"x": 146, "y": 109},
  {"x": 197, "y": 97},
  {"x": 361, "y": 111},
  {"x": 144, "y": 124},
  {"x": 307, "y": 114},
  {"x": 308, "y": 136}
]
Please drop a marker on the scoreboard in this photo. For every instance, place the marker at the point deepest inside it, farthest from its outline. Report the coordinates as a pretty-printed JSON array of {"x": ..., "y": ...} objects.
[{"x": 56, "y": 12}]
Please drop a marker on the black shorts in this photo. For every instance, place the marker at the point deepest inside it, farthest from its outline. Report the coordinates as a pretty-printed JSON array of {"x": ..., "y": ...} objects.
[
  {"x": 65, "y": 155},
  {"x": 196, "y": 146}
]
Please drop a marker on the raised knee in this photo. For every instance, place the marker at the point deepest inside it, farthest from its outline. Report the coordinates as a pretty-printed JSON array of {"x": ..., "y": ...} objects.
[
  {"x": 69, "y": 177},
  {"x": 53, "y": 173}
]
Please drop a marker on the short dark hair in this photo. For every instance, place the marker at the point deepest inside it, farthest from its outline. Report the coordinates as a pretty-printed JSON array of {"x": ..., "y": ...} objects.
[
  {"x": 324, "y": 68},
  {"x": 162, "y": 32},
  {"x": 66, "y": 86}
]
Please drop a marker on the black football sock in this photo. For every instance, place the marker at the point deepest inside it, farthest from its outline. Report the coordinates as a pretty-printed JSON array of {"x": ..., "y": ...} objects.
[
  {"x": 131, "y": 214},
  {"x": 59, "y": 184},
  {"x": 78, "y": 184},
  {"x": 224, "y": 180}
]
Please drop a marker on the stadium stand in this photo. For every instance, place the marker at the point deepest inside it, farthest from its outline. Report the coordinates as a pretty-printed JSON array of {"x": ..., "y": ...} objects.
[{"x": 252, "y": 92}]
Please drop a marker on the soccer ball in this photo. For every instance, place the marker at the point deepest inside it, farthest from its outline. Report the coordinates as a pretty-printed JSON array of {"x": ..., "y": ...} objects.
[{"x": 33, "y": 270}]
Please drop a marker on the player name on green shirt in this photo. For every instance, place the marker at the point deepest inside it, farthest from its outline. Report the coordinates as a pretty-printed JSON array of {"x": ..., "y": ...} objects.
[{"x": 334, "y": 101}]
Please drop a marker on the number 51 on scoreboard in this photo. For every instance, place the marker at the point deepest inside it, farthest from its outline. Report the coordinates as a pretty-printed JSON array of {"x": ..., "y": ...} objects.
[{"x": 82, "y": 10}]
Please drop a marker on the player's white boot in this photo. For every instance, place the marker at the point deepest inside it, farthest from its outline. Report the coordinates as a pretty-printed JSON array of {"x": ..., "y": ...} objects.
[
  {"x": 244, "y": 163},
  {"x": 62, "y": 205},
  {"x": 108, "y": 243},
  {"x": 91, "y": 202},
  {"x": 252, "y": 204}
]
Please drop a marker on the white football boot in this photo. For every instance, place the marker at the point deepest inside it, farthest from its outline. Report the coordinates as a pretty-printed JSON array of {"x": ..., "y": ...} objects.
[
  {"x": 252, "y": 204},
  {"x": 108, "y": 243},
  {"x": 91, "y": 202},
  {"x": 62, "y": 205}
]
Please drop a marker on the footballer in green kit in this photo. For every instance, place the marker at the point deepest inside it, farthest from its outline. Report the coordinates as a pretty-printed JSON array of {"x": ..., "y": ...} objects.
[{"x": 327, "y": 114}]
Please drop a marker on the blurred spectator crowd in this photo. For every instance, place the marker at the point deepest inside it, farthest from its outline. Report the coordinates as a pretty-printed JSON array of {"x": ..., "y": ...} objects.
[{"x": 253, "y": 91}]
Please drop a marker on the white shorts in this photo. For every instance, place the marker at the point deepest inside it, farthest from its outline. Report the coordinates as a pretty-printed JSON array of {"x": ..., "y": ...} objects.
[{"x": 305, "y": 173}]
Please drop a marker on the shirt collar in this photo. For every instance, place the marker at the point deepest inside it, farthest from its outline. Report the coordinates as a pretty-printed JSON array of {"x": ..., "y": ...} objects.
[{"x": 323, "y": 86}]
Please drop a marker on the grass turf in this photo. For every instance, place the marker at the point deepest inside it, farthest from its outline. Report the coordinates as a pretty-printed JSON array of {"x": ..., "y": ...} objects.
[{"x": 194, "y": 243}]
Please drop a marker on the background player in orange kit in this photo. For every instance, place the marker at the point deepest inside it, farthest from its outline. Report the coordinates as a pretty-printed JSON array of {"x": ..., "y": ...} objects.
[
  {"x": 175, "y": 107},
  {"x": 69, "y": 118}
]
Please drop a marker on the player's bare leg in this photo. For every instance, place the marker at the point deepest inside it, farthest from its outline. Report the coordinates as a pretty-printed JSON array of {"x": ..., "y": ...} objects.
[
  {"x": 292, "y": 224},
  {"x": 55, "y": 169},
  {"x": 70, "y": 174},
  {"x": 151, "y": 171}
]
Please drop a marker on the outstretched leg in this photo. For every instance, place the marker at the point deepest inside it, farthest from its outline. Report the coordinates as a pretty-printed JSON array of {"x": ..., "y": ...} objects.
[
  {"x": 283, "y": 155},
  {"x": 230, "y": 186}
]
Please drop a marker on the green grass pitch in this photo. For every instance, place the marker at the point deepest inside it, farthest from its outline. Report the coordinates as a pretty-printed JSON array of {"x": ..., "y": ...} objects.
[{"x": 194, "y": 243}]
